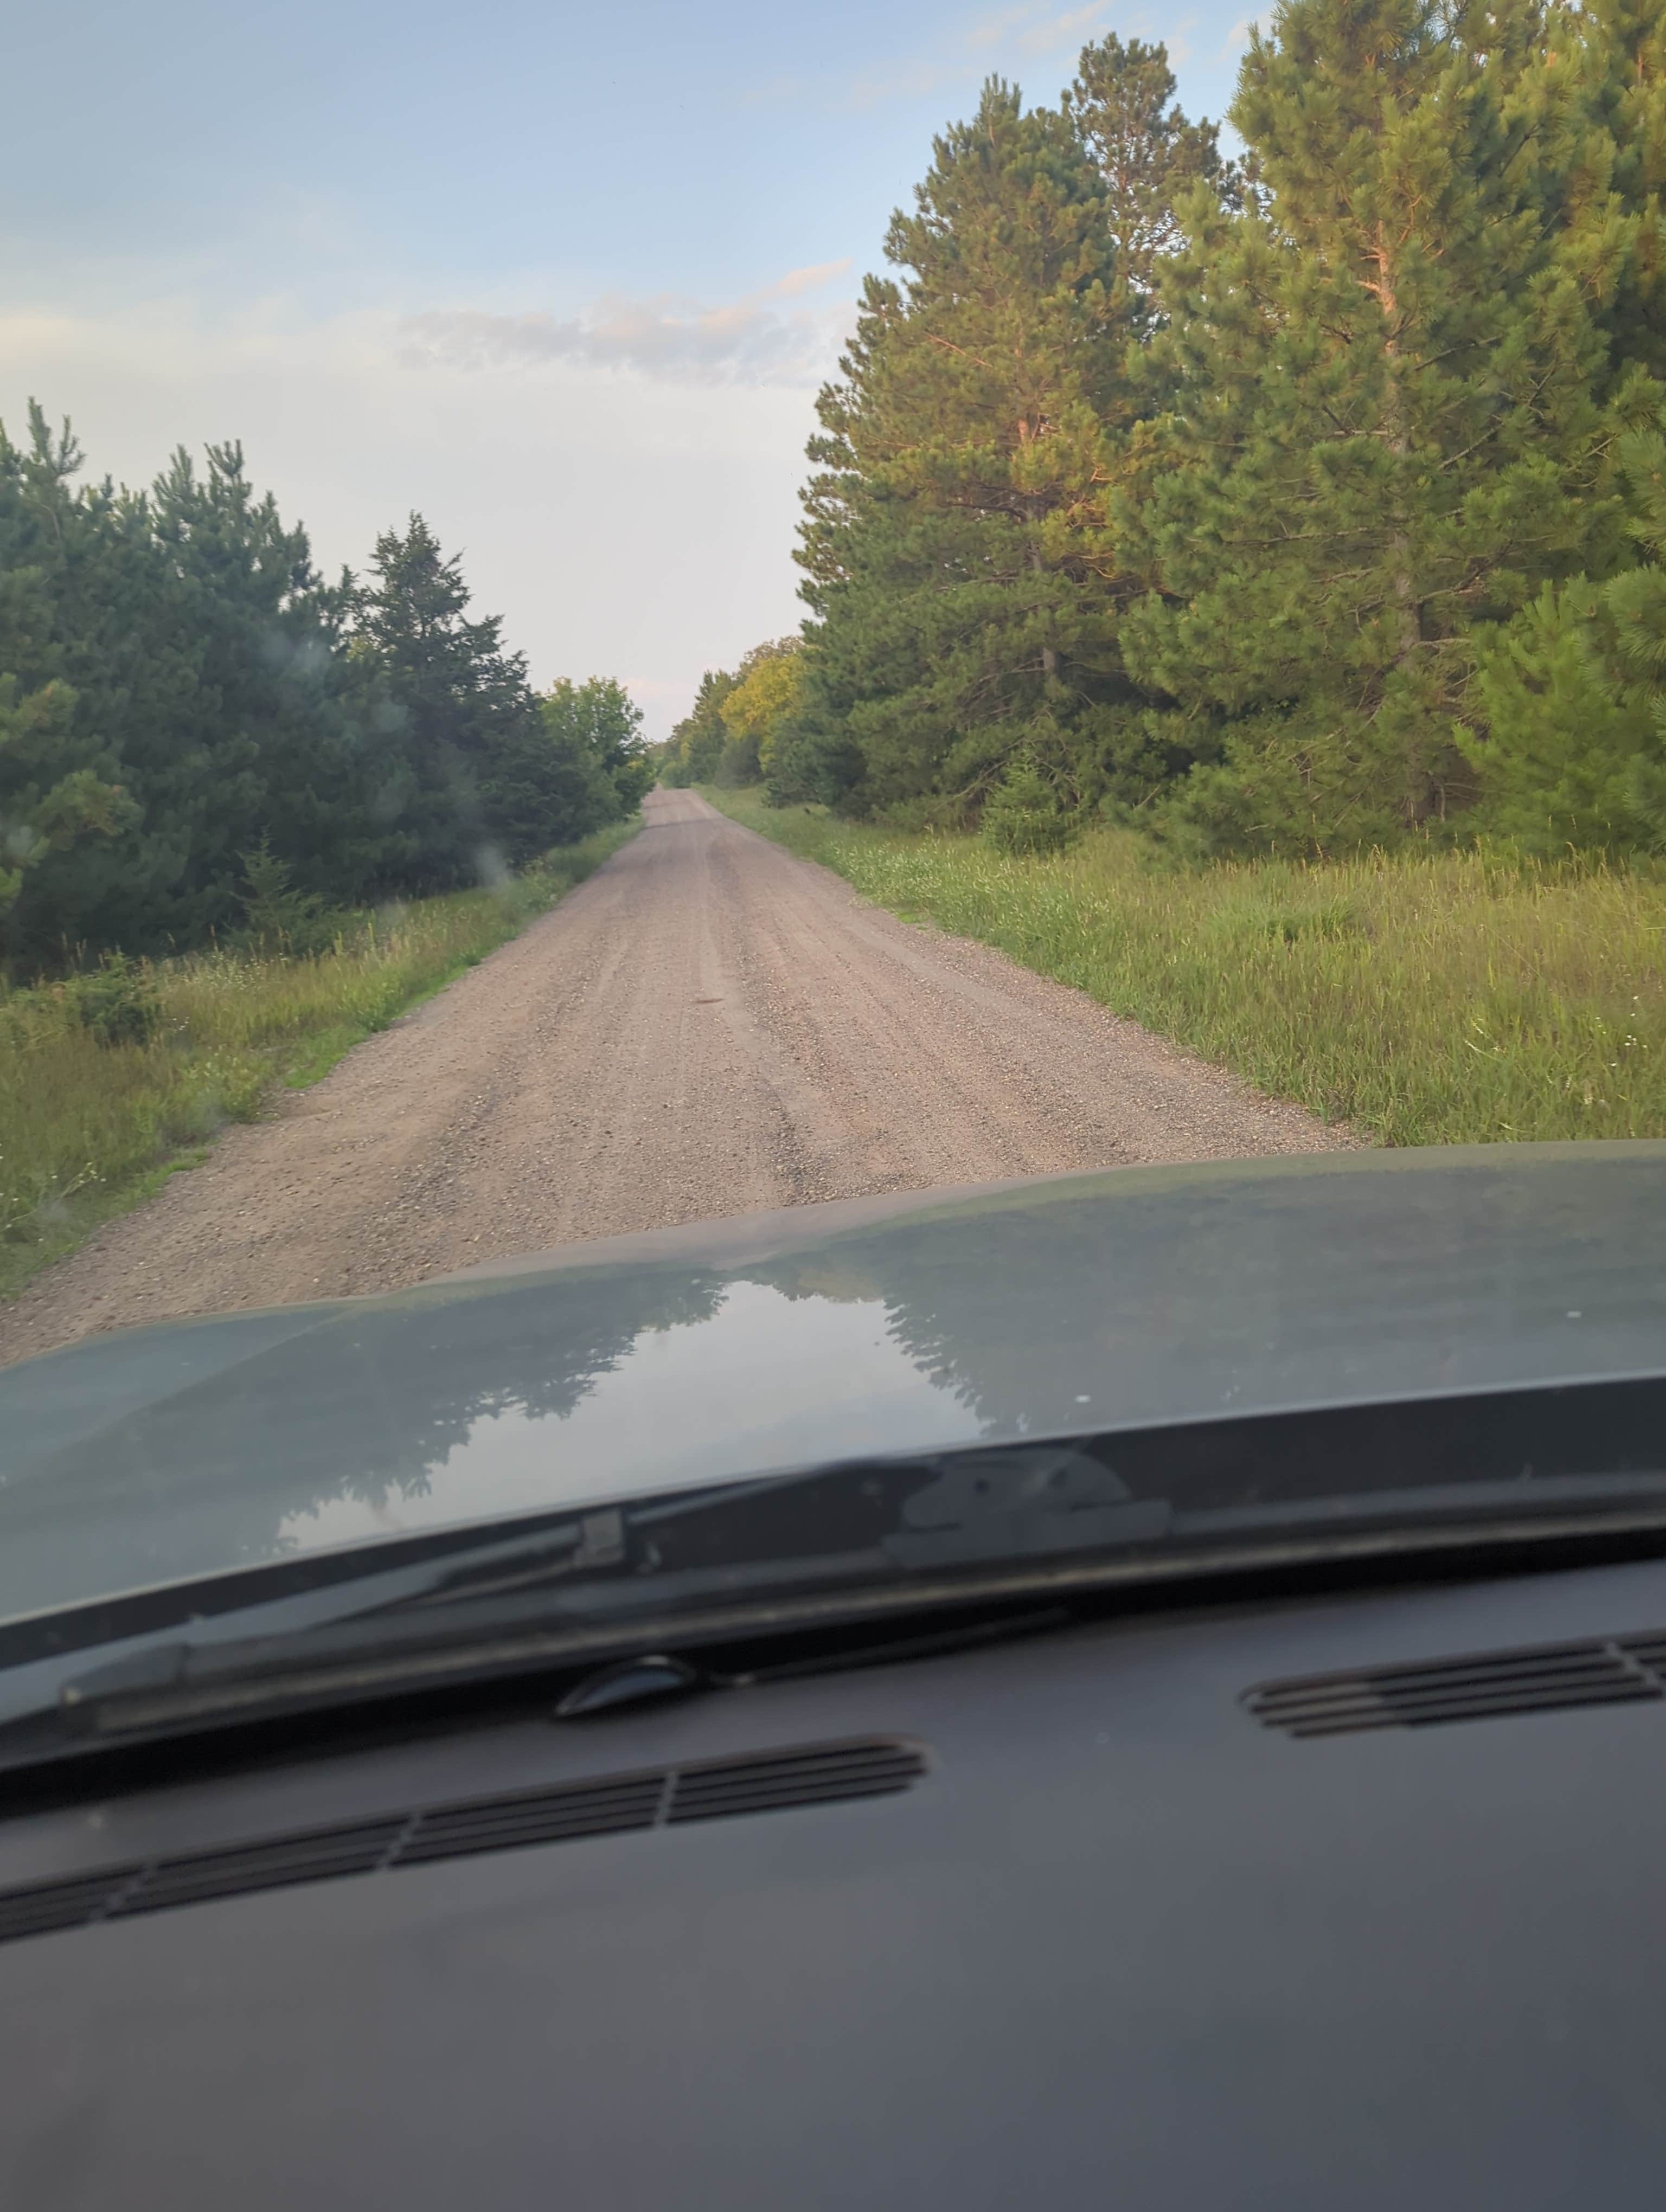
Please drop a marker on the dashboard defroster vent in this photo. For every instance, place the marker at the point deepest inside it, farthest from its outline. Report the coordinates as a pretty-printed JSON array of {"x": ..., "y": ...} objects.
[
  {"x": 713, "y": 1790},
  {"x": 1485, "y": 1686}
]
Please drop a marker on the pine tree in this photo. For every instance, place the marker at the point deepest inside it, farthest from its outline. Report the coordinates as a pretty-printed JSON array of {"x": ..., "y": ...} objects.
[
  {"x": 195, "y": 658},
  {"x": 1149, "y": 157},
  {"x": 58, "y": 784},
  {"x": 1387, "y": 430},
  {"x": 449, "y": 706},
  {"x": 695, "y": 745},
  {"x": 953, "y": 530},
  {"x": 1605, "y": 94},
  {"x": 958, "y": 541},
  {"x": 1573, "y": 691},
  {"x": 576, "y": 764}
]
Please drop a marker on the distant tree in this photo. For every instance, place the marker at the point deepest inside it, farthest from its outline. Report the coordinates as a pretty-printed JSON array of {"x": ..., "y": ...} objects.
[
  {"x": 761, "y": 709},
  {"x": 462, "y": 712},
  {"x": 575, "y": 765},
  {"x": 694, "y": 747},
  {"x": 603, "y": 717}
]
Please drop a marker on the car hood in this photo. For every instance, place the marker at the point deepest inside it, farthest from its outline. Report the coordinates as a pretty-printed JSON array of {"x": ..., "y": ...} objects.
[{"x": 898, "y": 1324}]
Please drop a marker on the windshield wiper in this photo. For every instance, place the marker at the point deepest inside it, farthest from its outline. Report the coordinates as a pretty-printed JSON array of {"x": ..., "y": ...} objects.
[{"x": 861, "y": 1539}]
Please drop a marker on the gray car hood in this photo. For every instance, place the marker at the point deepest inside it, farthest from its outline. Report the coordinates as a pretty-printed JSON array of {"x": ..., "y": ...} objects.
[{"x": 1139, "y": 1296}]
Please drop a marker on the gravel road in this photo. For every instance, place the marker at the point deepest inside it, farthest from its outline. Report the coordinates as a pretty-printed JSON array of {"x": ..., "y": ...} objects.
[{"x": 706, "y": 1026}]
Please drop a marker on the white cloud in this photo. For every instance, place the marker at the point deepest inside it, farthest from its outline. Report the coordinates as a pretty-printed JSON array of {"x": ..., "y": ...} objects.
[
  {"x": 1239, "y": 37},
  {"x": 1033, "y": 30},
  {"x": 754, "y": 340},
  {"x": 1073, "y": 28},
  {"x": 617, "y": 522},
  {"x": 904, "y": 81}
]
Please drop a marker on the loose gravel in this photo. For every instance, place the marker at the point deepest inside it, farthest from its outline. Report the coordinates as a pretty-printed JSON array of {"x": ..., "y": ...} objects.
[{"x": 708, "y": 1026}]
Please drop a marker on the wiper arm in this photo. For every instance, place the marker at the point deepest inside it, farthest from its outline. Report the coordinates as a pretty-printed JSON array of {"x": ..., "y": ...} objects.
[
  {"x": 719, "y": 1562},
  {"x": 833, "y": 1545}
]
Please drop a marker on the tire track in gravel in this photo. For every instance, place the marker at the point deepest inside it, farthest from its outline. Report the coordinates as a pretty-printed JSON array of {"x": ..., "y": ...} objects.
[{"x": 706, "y": 1026}]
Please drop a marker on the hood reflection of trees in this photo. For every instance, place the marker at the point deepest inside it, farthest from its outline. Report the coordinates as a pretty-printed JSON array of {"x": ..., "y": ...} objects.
[
  {"x": 363, "y": 1405},
  {"x": 1038, "y": 1312}
]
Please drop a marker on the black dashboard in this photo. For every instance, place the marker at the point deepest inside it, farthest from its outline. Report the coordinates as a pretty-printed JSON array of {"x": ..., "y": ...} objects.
[{"x": 1087, "y": 1916}]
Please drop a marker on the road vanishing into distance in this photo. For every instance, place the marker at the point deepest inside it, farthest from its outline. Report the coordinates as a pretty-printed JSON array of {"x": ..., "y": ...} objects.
[{"x": 706, "y": 1026}]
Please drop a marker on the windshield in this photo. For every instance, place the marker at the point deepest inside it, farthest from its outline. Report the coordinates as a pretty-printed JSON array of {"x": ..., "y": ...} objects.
[{"x": 617, "y": 621}]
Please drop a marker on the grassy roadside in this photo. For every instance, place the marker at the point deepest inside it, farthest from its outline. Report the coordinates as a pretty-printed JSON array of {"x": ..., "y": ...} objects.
[
  {"x": 106, "y": 1091},
  {"x": 1442, "y": 999}
]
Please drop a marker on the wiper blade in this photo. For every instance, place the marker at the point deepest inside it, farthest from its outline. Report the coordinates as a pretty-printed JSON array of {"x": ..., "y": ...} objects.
[
  {"x": 856, "y": 1540},
  {"x": 588, "y": 1583}
]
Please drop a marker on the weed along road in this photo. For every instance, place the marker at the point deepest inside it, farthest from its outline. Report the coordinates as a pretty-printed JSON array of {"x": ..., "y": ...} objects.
[{"x": 706, "y": 1026}]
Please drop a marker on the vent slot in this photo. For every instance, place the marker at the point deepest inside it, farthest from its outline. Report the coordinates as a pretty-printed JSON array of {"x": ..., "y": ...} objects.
[
  {"x": 1485, "y": 1686},
  {"x": 810, "y": 1778},
  {"x": 817, "y": 1774}
]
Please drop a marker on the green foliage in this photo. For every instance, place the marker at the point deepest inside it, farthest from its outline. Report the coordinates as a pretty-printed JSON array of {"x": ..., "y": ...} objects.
[
  {"x": 1149, "y": 159},
  {"x": 179, "y": 689},
  {"x": 760, "y": 715},
  {"x": 1384, "y": 429},
  {"x": 116, "y": 1002},
  {"x": 695, "y": 747},
  {"x": 949, "y": 546},
  {"x": 108, "y": 1077},
  {"x": 746, "y": 726},
  {"x": 576, "y": 763},
  {"x": 1574, "y": 696},
  {"x": 1425, "y": 998},
  {"x": 961, "y": 555},
  {"x": 1023, "y": 814},
  {"x": 1278, "y": 508},
  {"x": 278, "y": 919}
]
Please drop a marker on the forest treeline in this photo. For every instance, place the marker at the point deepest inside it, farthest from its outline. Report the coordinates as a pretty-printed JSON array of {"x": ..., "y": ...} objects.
[
  {"x": 1302, "y": 500},
  {"x": 193, "y": 722}
]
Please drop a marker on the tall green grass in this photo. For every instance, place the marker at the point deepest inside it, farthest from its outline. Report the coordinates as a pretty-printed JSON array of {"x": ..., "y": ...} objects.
[
  {"x": 88, "y": 1125},
  {"x": 1440, "y": 998}
]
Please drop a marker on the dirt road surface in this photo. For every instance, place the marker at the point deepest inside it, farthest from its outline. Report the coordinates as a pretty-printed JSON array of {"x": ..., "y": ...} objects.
[{"x": 706, "y": 1026}]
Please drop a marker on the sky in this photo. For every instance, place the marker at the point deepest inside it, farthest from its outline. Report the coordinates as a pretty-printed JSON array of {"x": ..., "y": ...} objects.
[{"x": 564, "y": 279}]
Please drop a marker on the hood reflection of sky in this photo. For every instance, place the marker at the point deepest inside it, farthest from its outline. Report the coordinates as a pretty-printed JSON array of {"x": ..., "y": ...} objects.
[{"x": 731, "y": 1392}]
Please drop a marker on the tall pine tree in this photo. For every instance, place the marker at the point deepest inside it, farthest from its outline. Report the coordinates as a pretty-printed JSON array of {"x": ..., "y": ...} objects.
[
  {"x": 959, "y": 542},
  {"x": 1386, "y": 427},
  {"x": 1148, "y": 157},
  {"x": 451, "y": 710},
  {"x": 953, "y": 526}
]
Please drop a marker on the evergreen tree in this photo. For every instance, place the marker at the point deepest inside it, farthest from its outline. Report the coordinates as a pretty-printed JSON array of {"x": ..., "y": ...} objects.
[
  {"x": 1573, "y": 751},
  {"x": 453, "y": 708},
  {"x": 1386, "y": 430},
  {"x": 178, "y": 691},
  {"x": 952, "y": 535},
  {"x": 574, "y": 765},
  {"x": 1605, "y": 94},
  {"x": 958, "y": 542},
  {"x": 695, "y": 745},
  {"x": 57, "y": 779},
  {"x": 1149, "y": 158}
]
